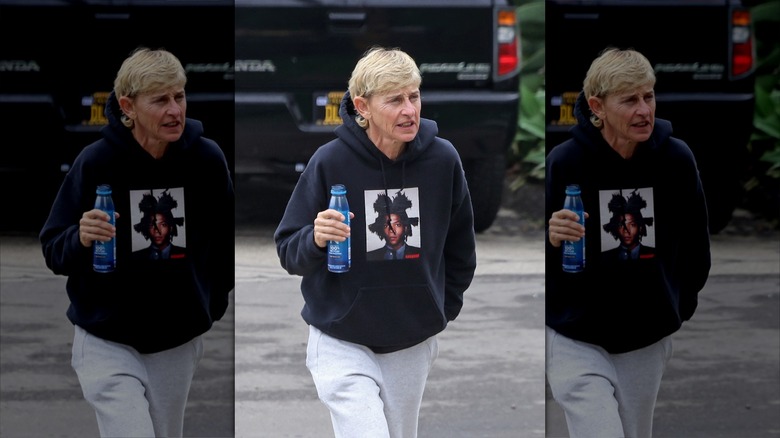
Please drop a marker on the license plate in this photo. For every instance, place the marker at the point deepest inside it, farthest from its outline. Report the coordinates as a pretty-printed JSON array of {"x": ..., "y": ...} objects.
[
  {"x": 97, "y": 104},
  {"x": 565, "y": 103},
  {"x": 326, "y": 108}
]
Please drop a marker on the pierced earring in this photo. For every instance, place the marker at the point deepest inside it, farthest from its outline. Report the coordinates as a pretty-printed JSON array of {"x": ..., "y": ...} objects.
[
  {"x": 597, "y": 122},
  {"x": 361, "y": 121},
  {"x": 127, "y": 121}
]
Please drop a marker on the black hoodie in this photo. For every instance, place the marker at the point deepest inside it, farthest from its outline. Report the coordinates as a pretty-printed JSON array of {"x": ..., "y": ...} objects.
[
  {"x": 626, "y": 305},
  {"x": 385, "y": 305},
  {"x": 149, "y": 305}
]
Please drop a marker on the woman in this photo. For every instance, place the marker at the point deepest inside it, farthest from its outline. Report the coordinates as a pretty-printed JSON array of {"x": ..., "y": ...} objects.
[
  {"x": 609, "y": 328},
  {"x": 138, "y": 329},
  {"x": 373, "y": 329}
]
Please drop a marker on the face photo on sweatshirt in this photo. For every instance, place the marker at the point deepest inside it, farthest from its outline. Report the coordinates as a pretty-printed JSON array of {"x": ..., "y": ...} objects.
[
  {"x": 392, "y": 224},
  {"x": 627, "y": 220},
  {"x": 157, "y": 216}
]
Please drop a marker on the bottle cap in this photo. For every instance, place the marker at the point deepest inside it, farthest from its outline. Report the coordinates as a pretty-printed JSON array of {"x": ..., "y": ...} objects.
[
  {"x": 103, "y": 189},
  {"x": 338, "y": 189},
  {"x": 573, "y": 189}
]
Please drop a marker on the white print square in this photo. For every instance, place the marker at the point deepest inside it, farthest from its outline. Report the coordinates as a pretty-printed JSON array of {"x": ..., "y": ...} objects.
[
  {"x": 373, "y": 241},
  {"x": 136, "y": 215},
  {"x": 608, "y": 241}
]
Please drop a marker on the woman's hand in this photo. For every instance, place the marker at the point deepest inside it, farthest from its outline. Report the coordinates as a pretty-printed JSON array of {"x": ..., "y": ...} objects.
[
  {"x": 564, "y": 225},
  {"x": 95, "y": 225},
  {"x": 329, "y": 225}
]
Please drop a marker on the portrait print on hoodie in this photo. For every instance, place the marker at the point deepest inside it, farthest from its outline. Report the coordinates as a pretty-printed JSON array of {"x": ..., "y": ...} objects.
[
  {"x": 158, "y": 224},
  {"x": 627, "y": 222},
  {"x": 392, "y": 224}
]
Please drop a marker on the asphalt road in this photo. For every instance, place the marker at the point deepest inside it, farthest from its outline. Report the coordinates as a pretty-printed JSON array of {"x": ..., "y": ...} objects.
[
  {"x": 723, "y": 380},
  {"x": 488, "y": 382},
  {"x": 40, "y": 396}
]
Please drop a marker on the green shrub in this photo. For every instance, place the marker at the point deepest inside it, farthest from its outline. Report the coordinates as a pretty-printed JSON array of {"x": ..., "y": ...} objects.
[
  {"x": 526, "y": 158},
  {"x": 762, "y": 187}
]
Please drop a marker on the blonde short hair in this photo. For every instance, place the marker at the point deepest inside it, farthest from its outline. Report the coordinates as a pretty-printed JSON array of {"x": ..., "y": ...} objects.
[
  {"x": 148, "y": 70},
  {"x": 617, "y": 70}
]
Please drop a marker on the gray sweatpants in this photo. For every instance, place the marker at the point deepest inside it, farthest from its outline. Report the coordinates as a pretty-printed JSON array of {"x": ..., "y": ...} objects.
[
  {"x": 133, "y": 394},
  {"x": 605, "y": 395},
  {"x": 368, "y": 394}
]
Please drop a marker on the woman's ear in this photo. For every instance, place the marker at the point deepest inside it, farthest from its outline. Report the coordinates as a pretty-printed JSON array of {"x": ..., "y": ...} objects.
[
  {"x": 361, "y": 106},
  {"x": 126, "y": 104},
  {"x": 596, "y": 106}
]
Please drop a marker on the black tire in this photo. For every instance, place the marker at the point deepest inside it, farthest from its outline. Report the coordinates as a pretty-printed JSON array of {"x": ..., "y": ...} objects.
[
  {"x": 485, "y": 178},
  {"x": 722, "y": 198}
]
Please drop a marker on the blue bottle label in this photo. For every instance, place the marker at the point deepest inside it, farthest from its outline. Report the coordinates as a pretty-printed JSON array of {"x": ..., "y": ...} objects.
[
  {"x": 104, "y": 255},
  {"x": 574, "y": 256},
  {"x": 339, "y": 256}
]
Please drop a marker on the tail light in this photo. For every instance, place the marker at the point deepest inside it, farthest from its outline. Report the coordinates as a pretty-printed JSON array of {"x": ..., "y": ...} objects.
[
  {"x": 742, "y": 55},
  {"x": 507, "y": 42}
]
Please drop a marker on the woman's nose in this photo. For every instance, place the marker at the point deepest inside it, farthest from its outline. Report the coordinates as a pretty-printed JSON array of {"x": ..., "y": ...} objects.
[
  {"x": 174, "y": 109},
  {"x": 644, "y": 108},
  {"x": 408, "y": 107}
]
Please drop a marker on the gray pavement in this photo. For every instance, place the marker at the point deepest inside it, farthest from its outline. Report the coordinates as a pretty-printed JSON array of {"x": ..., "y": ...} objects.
[
  {"x": 488, "y": 382},
  {"x": 723, "y": 380},
  {"x": 40, "y": 395}
]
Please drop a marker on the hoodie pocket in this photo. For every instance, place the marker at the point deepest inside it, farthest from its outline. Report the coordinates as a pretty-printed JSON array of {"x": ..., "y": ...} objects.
[{"x": 387, "y": 316}]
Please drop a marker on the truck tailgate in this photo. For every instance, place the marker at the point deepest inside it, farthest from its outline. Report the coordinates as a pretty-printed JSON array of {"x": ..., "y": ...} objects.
[{"x": 294, "y": 59}]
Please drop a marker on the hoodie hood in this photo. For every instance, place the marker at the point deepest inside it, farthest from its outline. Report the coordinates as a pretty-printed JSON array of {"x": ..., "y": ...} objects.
[
  {"x": 585, "y": 132},
  {"x": 357, "y": 138},
  {"x": 119, "y": 134}
]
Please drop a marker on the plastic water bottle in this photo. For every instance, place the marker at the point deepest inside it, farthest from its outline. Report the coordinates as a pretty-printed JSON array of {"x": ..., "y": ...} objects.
[
  {"x": 339, "y": 253},
  {"x": 574, "y": 252},
  {"x": 104, "y": 253}
]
